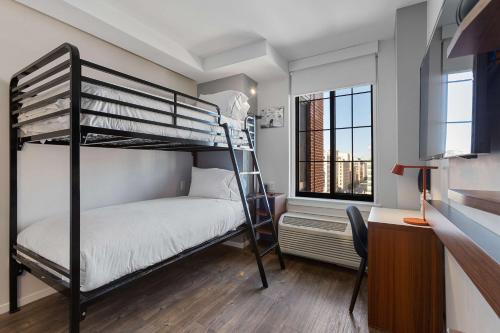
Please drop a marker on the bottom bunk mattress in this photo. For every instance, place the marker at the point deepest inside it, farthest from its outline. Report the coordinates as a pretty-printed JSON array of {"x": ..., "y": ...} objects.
[{"x": 121, "y": 239}]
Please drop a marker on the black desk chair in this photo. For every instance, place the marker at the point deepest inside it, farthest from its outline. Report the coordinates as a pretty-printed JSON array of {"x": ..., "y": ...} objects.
[{"x": 360, "y": 239}]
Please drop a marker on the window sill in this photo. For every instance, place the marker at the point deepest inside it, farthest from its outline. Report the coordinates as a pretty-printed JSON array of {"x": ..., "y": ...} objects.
[{"x": 364, "y": 206}]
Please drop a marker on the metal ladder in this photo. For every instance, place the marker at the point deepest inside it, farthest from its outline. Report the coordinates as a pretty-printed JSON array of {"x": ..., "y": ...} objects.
[{"x": 261, "y": 194}]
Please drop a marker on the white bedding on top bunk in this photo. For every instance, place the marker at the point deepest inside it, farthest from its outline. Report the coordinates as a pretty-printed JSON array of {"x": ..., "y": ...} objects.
[
  {"x": 62, "y": 122},
  {"x": 120, "y": 239}
]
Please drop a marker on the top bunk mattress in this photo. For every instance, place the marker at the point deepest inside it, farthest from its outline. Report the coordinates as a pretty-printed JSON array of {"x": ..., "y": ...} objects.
[
  {"x": 121, "y": 239},
  {"x": 59, "y": 123}
]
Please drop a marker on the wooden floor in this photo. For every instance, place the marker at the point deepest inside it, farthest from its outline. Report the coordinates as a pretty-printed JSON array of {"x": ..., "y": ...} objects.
[{"x": 218, "y": 290}]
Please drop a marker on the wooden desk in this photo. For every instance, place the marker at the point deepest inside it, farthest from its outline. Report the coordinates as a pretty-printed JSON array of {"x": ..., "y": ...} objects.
[{"x": 405, "y": 274}]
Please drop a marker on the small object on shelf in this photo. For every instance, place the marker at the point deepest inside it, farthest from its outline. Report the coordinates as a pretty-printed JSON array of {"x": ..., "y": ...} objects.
[
  {"x": 464, "y": 8},
  {"x": 479, "y": 32},
  {"x": 399, "y": 170}
]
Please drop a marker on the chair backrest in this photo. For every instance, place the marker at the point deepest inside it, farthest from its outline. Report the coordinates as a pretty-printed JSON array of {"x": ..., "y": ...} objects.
[{"x": 359, "y": 231}]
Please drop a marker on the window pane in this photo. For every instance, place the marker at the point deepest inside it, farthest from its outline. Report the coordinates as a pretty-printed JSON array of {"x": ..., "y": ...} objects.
[
  {"x": 314, "y": 146},
  {"x": 314, "y": 177},
  {"x": 343, "y": 111},
  {"x": 362, "y": 178},
  {"x": 314, "y": 115},
  {"x": 343, "y": 177},
  {"x": 309, "y": 97},
  {"x": 362, "y": 143},
  {"x": 459, "y": 101},
  {"x": 360, "y": 89},
  {"x": 362, "y": 109},
  {"x": 458, "y": 138},
  {"x": 340, "y": 92},
  {"x": 460, "y": 76},
  {"x": 343, "y": 141},
  {"x": 304, "y": 146}
]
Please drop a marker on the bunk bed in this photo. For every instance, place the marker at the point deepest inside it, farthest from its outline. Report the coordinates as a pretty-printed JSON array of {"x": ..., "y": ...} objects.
[{"x": 61, "y": 99}]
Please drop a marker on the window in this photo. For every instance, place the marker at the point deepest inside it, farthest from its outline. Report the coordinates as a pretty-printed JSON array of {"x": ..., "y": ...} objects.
[
  {"x": 334, "y": 144},
  {"x": 458, "y": 113}
]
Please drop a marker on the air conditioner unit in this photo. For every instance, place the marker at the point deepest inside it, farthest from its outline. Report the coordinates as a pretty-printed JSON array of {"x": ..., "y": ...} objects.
[{"x": 318, "y": 237}]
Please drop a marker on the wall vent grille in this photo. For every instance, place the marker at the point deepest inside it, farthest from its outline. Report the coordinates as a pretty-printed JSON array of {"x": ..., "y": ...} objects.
[
  {"x": 314, "y": 237},
  {"x": 317, "y": 224}
]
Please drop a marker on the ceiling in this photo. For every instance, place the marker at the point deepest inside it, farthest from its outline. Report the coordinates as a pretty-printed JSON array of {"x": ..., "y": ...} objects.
[{"x": 206, "y": 40}]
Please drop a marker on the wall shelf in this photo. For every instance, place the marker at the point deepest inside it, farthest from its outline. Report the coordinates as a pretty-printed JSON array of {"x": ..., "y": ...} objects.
[
  {"x": 475, "y": 248},
  {"x": 478, "y": 32},
  {"x": 488, "y": 201}
]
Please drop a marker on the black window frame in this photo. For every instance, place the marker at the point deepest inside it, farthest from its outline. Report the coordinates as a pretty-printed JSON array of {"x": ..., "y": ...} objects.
[{"x": 332, "y": 128}]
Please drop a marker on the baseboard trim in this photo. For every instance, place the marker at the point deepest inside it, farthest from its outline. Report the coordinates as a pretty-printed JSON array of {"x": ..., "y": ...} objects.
[
  {"x": 238, "y": 245},
  {"x": 4, "y": 308}
]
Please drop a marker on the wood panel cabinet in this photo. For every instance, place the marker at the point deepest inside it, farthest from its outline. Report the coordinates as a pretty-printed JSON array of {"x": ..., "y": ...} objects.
[{"x": 405, "y": 274}]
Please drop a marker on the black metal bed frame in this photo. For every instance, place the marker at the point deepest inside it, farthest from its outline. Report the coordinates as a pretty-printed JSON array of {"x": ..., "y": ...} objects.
[{"x": 66, "y": 280}]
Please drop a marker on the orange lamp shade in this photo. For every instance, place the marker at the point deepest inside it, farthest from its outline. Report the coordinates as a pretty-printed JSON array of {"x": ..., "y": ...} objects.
[{"x": 398, "y": 169}]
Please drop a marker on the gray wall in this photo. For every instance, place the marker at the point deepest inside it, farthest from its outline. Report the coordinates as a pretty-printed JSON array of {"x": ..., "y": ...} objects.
[
  {"x": 386, "y": 126},
  {"x": 411, "y": 41}
]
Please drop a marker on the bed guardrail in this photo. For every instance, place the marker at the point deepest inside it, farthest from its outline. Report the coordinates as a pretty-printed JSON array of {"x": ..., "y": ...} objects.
[{"x": 64, "y": 66}]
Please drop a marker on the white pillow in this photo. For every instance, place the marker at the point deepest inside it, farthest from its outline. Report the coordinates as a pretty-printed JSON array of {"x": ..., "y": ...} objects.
[
  {"x": 214, "y": 183},
  {"x": 232, "y": 103}
]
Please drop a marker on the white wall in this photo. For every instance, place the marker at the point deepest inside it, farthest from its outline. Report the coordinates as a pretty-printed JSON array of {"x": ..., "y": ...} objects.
[
  {"x": 466, "y": 308},
  {"x": 275, "y": 145},
  {"x": 108, "y": 176}
]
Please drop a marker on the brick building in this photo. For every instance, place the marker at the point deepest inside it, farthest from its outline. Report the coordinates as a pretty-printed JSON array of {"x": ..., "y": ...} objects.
[{"x": 315, "y": 172}]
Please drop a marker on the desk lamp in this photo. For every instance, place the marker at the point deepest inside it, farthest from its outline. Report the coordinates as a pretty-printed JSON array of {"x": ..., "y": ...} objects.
[{"x": 399, "y": 170}]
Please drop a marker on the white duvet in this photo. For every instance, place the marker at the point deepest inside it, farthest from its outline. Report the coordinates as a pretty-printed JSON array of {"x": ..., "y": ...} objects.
[
  {"x": 120, "y": 239},
  {"x": 62, "y": 122}
]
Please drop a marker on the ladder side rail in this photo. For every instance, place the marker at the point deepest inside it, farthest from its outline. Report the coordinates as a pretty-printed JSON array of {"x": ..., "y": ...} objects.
[
  {"x": 266, "y": 201},
  {"x": 245, "y": 205}
]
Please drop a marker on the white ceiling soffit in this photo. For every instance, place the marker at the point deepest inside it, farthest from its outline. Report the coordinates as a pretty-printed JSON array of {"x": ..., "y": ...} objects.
[
  {"x": 207, "y": 40},
  {"x": 98, "y": 18}
]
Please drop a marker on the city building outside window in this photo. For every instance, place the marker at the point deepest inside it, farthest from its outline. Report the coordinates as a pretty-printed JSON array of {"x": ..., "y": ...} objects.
[{"x": 334, "y": 152}]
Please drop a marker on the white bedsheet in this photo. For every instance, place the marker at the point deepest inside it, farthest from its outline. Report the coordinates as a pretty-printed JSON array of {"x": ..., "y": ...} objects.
[
  {"x": 120, "y": 239},
  {"x": 62, "y": 122}
]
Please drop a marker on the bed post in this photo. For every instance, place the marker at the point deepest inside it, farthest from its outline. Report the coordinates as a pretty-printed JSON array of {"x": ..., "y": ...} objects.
[
  {"x": 13, "y": 265},
  {"x": 74, "y": 240},
  {"x": 195, "y": 158}
]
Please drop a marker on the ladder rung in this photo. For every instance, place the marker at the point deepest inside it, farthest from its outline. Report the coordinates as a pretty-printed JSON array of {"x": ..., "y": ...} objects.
[
  {"x": 242, "y": 148},
  {"x": 249, "y": 173},
  {"x": 269, "y": 249},
  {"x": 255, "y": 196},
  {"x": 261, "y": 223}
]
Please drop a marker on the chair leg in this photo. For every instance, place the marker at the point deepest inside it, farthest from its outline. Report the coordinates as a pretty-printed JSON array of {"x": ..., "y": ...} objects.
[{"x": 361, "y": 272}]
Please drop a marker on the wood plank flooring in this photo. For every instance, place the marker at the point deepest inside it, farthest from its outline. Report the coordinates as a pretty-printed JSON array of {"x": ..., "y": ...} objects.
[{"x": 218, "y": 290}]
